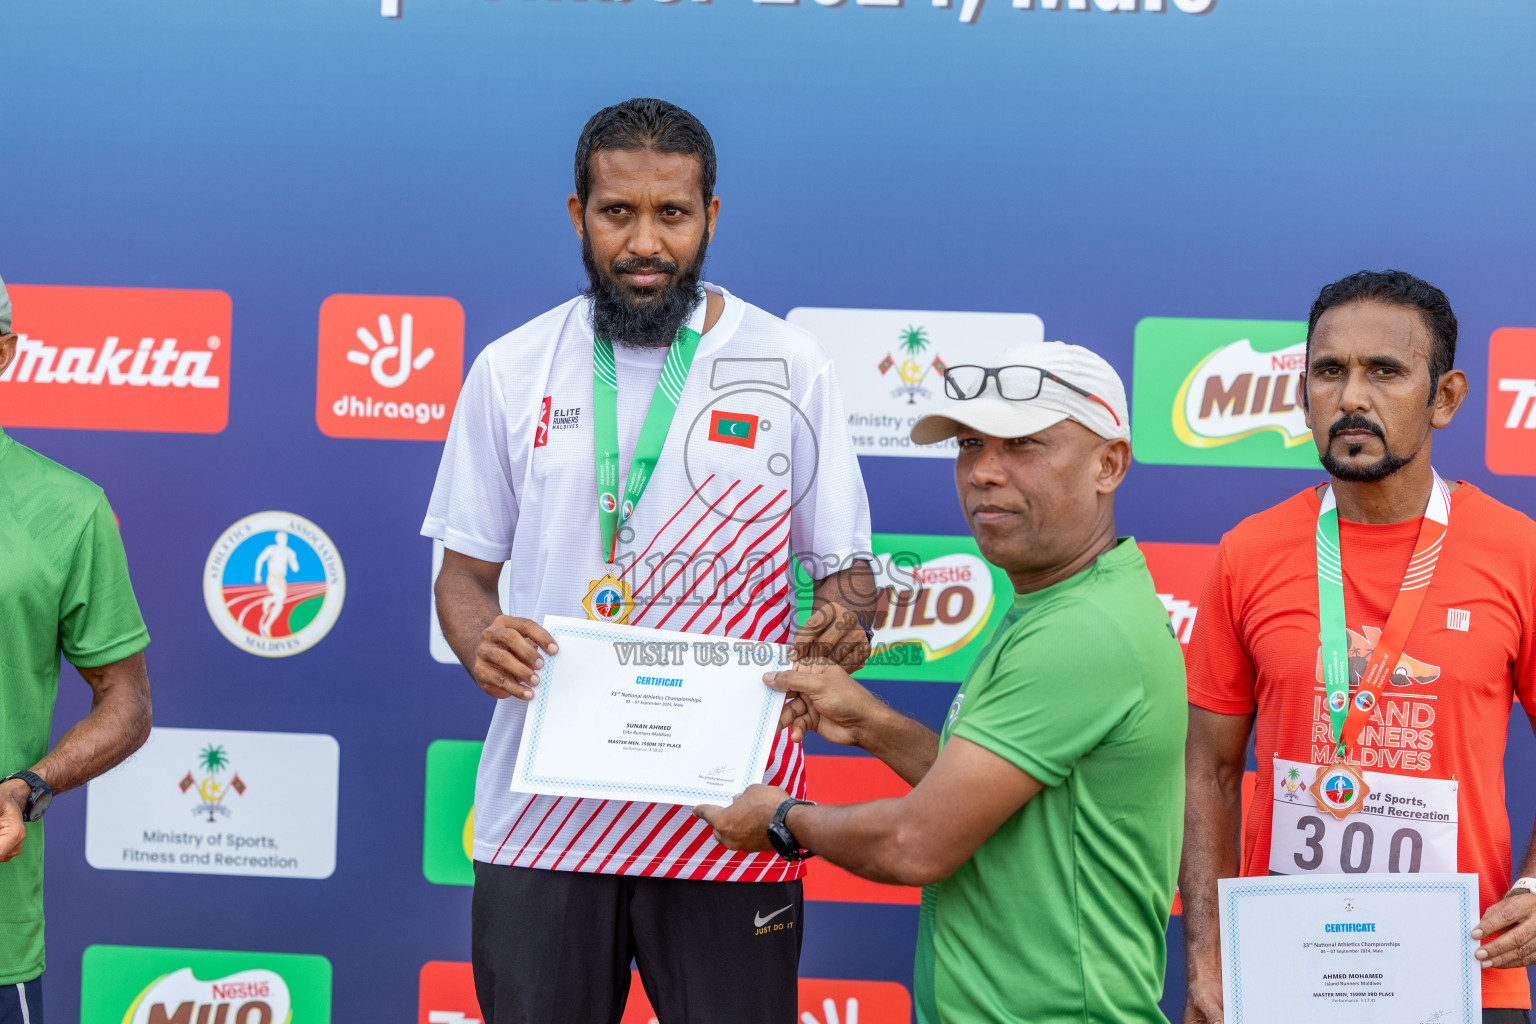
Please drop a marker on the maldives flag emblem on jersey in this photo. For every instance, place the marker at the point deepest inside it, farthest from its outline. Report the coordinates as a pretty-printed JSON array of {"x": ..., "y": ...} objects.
[{"x": 738, "y": 428}]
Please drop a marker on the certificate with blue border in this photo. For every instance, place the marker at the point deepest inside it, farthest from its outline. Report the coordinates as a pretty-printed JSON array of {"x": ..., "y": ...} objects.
[
  {"x": 1361, "y": 949},
  {"x": 629, "y": 713}
]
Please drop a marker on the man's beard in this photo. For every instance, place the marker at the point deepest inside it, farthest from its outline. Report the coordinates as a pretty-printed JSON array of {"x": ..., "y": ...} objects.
[
  {"x": 1369, "y": 474},
  {"x": 642, "y": 317}
]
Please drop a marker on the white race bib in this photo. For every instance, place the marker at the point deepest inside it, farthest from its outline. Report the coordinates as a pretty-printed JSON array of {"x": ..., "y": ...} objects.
[{"x": 1405, "y": 825}]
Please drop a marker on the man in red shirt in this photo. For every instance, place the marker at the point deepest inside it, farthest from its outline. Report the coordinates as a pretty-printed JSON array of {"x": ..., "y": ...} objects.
[{"x": 1379, "y": 382}]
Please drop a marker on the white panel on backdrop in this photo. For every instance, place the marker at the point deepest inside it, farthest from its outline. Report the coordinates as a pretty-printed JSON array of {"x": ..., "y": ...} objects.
[
  {"x": 435, "y": 640},
  {"x": 890, "y": 364},
  {"x": 219, "y": 802}
]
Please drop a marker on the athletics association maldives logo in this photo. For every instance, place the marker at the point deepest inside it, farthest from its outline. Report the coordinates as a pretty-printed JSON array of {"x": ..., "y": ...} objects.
[
  {"x": 274, "y": 584},
  {"x": 608, "y": 600},
  {"x": 1336, "y": 701},
  {"x": 607, "y": 502},
  {"x": 1339, "y": 790}
]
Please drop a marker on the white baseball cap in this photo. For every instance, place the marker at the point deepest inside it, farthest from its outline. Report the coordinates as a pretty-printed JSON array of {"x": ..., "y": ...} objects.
[{"x": 1074, "y": 384}]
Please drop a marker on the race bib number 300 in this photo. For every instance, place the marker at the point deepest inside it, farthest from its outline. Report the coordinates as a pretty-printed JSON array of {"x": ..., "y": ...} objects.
[{"x": 1404, "y": 825}]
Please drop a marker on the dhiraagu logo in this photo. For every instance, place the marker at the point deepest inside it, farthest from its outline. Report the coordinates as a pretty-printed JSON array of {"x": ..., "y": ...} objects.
[
  {"x": 1220, "y": 393},
  {"x": 448, "y": 830},
  {"x": 144, "y": 985}
]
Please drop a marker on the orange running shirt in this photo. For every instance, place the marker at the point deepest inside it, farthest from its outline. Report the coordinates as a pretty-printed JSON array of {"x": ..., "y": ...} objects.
[{"x": 1445, "y": 712}]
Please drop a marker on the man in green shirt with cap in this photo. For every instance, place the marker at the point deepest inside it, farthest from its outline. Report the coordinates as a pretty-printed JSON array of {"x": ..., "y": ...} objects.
[
  {"x": 63, "y": 589},
  {"x": 1045, "y": 820}
]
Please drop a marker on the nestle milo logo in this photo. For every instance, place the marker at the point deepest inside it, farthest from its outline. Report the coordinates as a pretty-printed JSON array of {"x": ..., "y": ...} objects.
[
  {"x": 146, "y": 985},
  {"x": 1220, "y": 392}
]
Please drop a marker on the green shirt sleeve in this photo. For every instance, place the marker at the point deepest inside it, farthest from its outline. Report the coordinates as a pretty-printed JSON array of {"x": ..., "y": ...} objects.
[
  {"x": 1059, "y": 686},
  {"x": 99, "y": 620}
]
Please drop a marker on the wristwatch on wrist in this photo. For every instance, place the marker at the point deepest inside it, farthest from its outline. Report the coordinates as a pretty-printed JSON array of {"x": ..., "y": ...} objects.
[
  {"x": 1526, "y": 884},
  {"x": 39, "y": 797},
  {"x": 781, "y": 838}
]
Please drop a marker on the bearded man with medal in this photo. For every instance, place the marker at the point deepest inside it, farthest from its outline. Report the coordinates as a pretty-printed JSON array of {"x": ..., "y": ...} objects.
[
  {"x": 654, "y": 454},
  {"x": 1371, "y": 634}
]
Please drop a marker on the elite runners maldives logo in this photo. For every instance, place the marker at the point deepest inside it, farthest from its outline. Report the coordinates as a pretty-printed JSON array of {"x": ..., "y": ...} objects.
[
  {"x": 1511, "y": 444},
  {"x": 118, "y": 359},
  {"x": 390, "y": 366},
  {"x": 145, "y": 985},
  {"x": 1220, "y": 393},
  {"x": 274, "y": 584}
]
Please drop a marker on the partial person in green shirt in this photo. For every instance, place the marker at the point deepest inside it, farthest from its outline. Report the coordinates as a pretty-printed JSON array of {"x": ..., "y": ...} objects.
[
  {"x": 64, "y": 589},
  {"x": 1045, "y": 821}
]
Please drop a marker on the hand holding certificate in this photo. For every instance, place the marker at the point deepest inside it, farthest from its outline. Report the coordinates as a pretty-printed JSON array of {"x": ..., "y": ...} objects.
[
  {"x": 1350, "y": 949},
  {"x": 628, "y": 713}
]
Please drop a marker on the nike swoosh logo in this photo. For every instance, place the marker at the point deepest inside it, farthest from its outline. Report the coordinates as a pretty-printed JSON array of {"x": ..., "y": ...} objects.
[{"x": 759, "y": 920}]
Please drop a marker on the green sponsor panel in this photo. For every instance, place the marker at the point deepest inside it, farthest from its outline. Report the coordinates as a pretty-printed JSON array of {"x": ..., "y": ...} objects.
[
  {"x": 448, "y": 826},
  {"x": 1209, "y": 392},
  {"x": 140, "y": 984},
  {"x": 938, "y": 602}
]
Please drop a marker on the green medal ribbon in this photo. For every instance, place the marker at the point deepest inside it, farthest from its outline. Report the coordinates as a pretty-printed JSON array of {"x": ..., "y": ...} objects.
[
  {"x": 1347, "y": 716},
  {"x": 653, "y": 435}
]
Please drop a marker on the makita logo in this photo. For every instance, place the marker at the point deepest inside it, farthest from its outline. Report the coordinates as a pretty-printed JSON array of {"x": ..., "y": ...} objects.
[
  {"x": 152, "y": 365},
  {"x": 118, "y": 359}
]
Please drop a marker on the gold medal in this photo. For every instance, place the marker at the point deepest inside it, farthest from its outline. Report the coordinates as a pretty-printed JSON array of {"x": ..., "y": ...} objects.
[
  {"x": 608, "y": 600},
  {"x": 1339, "y": 790}
]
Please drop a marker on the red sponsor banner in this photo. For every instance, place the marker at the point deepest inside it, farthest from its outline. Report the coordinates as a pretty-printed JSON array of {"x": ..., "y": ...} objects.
[
  {"x": 851, "y": 780},
  {"x": 1179, "y": 571},
  {"x": 118, "y": 359},
  {"x": 448, "y": 997},
  {"x": 390, "y": 366},
  {"x": 1511, "y": 444}
]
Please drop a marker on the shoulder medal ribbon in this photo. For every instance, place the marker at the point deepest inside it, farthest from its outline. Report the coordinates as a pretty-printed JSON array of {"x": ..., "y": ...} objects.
[
  {"x": 653, "y": 434},
  {"x": 1340, "y": 789}
]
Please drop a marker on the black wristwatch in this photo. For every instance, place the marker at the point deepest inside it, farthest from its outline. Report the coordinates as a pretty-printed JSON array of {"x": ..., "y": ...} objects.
[
  {"x": 38, "y": 799},
  {"x": 782, "y": 839}
]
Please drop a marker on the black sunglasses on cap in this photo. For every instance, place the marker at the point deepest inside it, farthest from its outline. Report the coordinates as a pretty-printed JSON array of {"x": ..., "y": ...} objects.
[{"x": 1014, "y": 383}]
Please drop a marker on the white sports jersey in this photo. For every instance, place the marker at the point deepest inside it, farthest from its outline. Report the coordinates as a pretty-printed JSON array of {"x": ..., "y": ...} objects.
[{"x": 758, "y": 468}]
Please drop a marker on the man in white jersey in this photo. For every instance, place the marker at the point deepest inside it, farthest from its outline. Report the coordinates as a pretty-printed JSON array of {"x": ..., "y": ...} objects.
[{"x": 738, "y": 417}]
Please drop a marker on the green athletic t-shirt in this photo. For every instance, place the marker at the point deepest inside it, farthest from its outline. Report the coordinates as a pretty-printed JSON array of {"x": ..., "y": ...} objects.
[
  {"x": 63, "y": 588},
  {"x": 1061, "y": 915}
]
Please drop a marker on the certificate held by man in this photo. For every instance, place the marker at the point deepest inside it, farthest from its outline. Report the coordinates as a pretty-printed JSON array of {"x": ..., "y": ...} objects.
[
  {"x": 628, "y": 713},
  {"x": 1351, "y": 949}
]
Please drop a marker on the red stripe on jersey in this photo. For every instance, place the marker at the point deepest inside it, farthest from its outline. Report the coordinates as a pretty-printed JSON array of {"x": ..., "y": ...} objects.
[
  {"x": 633, "y": 857},
  {"x": 688, "y": 562},
  {"x": 774, "y": 623},
  {"x": 599, "y": 843},
  {"x": 516, "y": 823},
  {"x": 715, "y": 561},
  {"x": 744, "y": 555},
  {"x": 668, "y": 523},
  {"x": 723, "y": 606},
  {"x": 544, "y": 847},
  {"x": 524, "y": 848},
  {"x": 767, "y": 605},
  {"x": 579, "y": 833},
  {"x": 668, "y": 556},
  {"x": 644, "y": 813},
  {"x": 751, "y": 597}
]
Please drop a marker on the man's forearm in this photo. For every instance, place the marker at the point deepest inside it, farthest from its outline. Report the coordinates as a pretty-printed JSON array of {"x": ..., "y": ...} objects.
[
  {"x": 118, "y": 724},
  {"x": 872, "y": 840},
  {"x": 907, "y": 746},
  {"x": 1212, "y": 850},
  {"x": 466, "y": 607}
]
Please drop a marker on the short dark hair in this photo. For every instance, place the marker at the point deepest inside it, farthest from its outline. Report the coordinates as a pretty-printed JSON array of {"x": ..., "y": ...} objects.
[
  {"x": 645, "y": 124},
  {"x": 1398, "y": 288}
]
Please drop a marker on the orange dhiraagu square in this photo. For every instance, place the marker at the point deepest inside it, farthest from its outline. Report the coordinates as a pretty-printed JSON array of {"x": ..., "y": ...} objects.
[
  {"x": 390, "y": 366},
  {"x": 118, "y": 359},
  {"x": 1512, "y": 401},
  {"x": 1179, "y": 571},
  {"x": 851, "y": 780}
]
